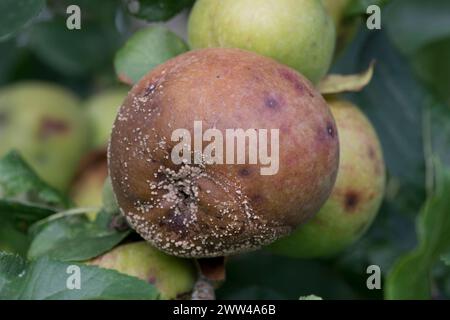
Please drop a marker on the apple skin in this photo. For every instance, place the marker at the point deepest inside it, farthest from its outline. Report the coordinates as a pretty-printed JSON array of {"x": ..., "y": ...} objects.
[
  {"x": 87, "y": 186},
  {"x": 346, "y": 28},
  {"x": 172, "y": 276},
  {"x": 356, "y": 196},
  {"x": 298, "y": 33},
  {"x": 109, "y": 200},
  {"x": 101, "y": 110},
  {"x": 336, "y": 8},
  {"x": 45, "y": 123}
]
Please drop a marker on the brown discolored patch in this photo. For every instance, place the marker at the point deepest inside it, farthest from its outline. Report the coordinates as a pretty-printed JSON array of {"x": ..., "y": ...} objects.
[
  {"x": 331, "y": 130},
  {"x": 325, "y": 134},
  {"x": 149, "y": 90},
  {"x": 271, "y": 102},
  {"x": 257, "y": 199},
  {"x": 295, "y": 80},
  {"x": 175, "y": 220},
  {"x": 49, "y": 127},
  {"x": 152, "y": 280},
  {"x": 371, "y": 153},
  {"x": 245, "y": 172},
  {"x": 212, "y": 268},
  {"x": 351, "y": 200}
]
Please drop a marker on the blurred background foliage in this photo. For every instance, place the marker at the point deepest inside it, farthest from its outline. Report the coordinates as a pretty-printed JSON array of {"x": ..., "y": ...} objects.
[{"x": 408, "y": 101}]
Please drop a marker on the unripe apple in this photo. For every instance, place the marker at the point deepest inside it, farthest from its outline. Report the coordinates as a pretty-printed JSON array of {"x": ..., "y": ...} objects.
[
  {"x": 174, "y": 277},
  {"x": 101, "y": 110},
  {"x": 86, "y": 189},
  {"x": 356, "y": 196},
  {"x": 45, "y": 123},
  {"x": 346, "y": 28},
  {"x": 336, "y": 9},
  {"x": 298, "y": 33}
]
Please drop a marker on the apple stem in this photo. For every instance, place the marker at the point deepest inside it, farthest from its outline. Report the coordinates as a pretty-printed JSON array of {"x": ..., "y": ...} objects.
[{"x": 203, "y": 289}]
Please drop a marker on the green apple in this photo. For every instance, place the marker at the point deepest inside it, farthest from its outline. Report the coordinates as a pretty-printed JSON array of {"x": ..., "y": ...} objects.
[
  {"x": 174, "y": 277},
  {"x": 46, "y": 124},
  {"x": 336, "y": 9},
  {"x": 109, "y": 200},
  {"x": 86, "y": 189},
  {"x": 102, "y": 110},
  {"x": 346, "y": 28},
  {"x": 356, "y": 196},
  {"x": 298, "y": 33}
]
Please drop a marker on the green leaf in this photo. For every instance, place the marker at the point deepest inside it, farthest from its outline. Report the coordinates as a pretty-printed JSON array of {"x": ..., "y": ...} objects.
[
  {"x": 410, "y": 276},
  {"x": 24, "y": 199},
  {"x": 47, "y": 279},
  {"x": 446, "y": 259},
  {"x": 89, "y": 9},
  {"x": 74, "y": 52},
  {"x": 14, "y": 14},
  {"x": 264, "y": 276},
  {"x": 146, "y": 49},
  {"x": 432, "y": 64},
  {"x": 359, "y": 7},
  {"x": 11, "y": 267},
  {"x": 413, "y": 24},
  {"x": 158, "y": 10},
  {"x": 73, "y": 238},
  {"x": 19, "y": 182},
  {"x": 22, "y": 215},
  {"x": 11, "y": 54},
  {"x": 11, "y": 239}
]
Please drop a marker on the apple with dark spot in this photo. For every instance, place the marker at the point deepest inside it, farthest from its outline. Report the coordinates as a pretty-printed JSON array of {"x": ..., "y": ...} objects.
[
  {"x": 197, "y": 208},
  {"x": 45, "y": 123},
  {"x": 356, "y": 196}
]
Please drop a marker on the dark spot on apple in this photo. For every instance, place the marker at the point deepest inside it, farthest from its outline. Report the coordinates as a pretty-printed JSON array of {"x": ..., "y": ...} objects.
[
  {"x": 174, "y": 220},
  {"x": 331, "y": 130},
  {"x": 149, "y": 90},
  {"x": 152, "y": 280},
  {"x": 50, "y": 127},
  {"x": 257, "y": 199},
  {"x": 271, "y": 103},
  {"x": 245, "y": 172},
  {"x": 351, "y": 200},
  {"x": 218, "y": 76},
  {"x": 325, "y": 134},
  {"x": 371, "y": 153}
]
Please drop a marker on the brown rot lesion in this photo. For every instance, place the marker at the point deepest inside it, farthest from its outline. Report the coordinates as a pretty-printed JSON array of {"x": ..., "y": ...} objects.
[{"x": 351, "y": 200}]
